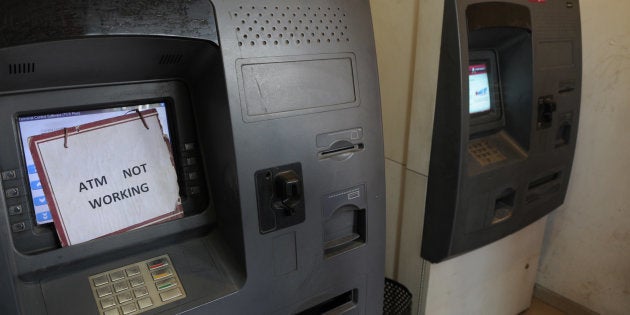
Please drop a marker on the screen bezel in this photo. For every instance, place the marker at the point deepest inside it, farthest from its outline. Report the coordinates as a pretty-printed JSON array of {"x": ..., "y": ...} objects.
[
  {"x": 115, "y": 106},
  {"x": 493, "y": 118},
  {"x": 42, "y": 239}
]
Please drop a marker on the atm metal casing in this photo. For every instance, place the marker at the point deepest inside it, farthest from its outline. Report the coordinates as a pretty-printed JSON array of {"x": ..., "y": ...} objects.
[
  {"x": 256, "y": 87},
  {"x": 538, "y": 47}
]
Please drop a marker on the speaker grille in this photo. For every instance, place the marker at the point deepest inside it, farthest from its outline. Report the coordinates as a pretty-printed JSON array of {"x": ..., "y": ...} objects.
[
  {"x": 278, "y": 25},
  {"x": 22, "y": 68}
]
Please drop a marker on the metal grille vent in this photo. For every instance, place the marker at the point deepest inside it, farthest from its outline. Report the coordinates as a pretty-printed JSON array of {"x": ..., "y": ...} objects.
[
  {"x": 22, "y": 68},
  {"x": 276, "y": 25},
  {"x": 171, "y": 59}
]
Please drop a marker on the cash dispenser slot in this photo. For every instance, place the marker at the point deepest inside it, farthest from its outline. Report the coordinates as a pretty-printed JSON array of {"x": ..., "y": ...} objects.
[
  {"x": 344, "y": 231},
  {"x": 345, "y": 223},
  {"x": 503, "y": 206},
  {"x": 563, "y": 135}
]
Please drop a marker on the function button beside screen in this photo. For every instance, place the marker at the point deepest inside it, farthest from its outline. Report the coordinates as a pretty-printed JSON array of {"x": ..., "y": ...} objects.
[
  {"x": 157, "y": 264},
  {"x": 161, "y": 274},
  {"x": 189, "y": 161},
  {"x": 125, "y": 297},
  {"x": 136, "y": 281},
  {"x": 112, "y": 312},
  {"x": 12, "y": 192},
  {"x": 121, "y": 286},
  {"x": 9, "y": 175},
  {"x": 132, "y": 271},
  {"x": 169, "y": 295},
  {"x": 140, "y": 292},
  {"x": 165, "y": 284},
  {"x": 18, "y": 227},
  {"x": 144, "y": 303},
  {"x": 99, "y": 281},
  {"x": 15, "y": 210},
  {"x": 129, "y": 308},
  {"x": 108, "y": 302},
  {"x": 117, "y": 275},
  {"x": 192, "y": 176},
  {"x": 104, "y": 291},
  {"x": 194, "y": 190}
]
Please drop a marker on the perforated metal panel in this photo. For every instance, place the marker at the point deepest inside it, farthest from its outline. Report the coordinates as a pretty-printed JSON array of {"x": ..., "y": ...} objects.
[{"x": 278, "y": 24}]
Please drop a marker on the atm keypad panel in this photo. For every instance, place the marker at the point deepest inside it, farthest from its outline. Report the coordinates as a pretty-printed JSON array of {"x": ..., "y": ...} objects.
[
  {"x": 137, "y": 288},
  {"x": 485, "y": 153}
]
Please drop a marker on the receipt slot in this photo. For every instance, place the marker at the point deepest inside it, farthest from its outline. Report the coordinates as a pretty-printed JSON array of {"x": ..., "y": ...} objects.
[
  {"x": 268, "y": 119},
  {"x": 506, "y": 119}
]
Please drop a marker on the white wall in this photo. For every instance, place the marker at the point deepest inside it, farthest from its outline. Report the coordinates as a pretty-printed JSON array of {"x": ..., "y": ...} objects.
[
  {"x": 586, "y": 256},
  {"x": 395, "y": 24},
  {"x": 497, "y": 279}
]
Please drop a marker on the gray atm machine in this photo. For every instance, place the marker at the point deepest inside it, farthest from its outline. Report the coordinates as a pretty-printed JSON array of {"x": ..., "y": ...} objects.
[
  {"x": 506, "y": 119},
  {"x": 273, "y": 112}
]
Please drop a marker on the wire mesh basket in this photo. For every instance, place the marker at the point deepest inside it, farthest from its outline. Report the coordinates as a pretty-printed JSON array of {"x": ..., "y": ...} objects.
[{"x": 397, "y": 299}]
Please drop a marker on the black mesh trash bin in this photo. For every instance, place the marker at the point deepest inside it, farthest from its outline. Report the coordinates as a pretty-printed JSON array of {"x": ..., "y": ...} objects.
[{"x": 397, "y": 299}]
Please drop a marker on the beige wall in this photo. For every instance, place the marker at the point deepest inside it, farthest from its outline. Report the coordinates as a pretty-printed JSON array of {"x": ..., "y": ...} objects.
[
  {"x": 395, "y": 35},
  {"x": 408, "y": 77},
  {"x": 586, "y": 256},
  {"x": 408, "y": 95}
]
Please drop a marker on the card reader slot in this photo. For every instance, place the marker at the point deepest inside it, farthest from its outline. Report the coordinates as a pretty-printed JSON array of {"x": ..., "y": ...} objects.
[
  {"x": 342, "y": 149},
  {"x": 344, "y": 230},
  {"x": 342, "y": 241}
]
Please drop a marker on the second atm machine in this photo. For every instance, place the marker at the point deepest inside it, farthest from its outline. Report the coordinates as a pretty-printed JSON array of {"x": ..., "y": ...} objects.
[
  {"x": 273, "y": 114},
  {"x": 506, "y": 119}
]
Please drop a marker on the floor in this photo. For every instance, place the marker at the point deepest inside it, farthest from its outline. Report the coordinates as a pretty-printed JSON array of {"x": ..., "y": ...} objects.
[{"x": 539, "y": 307}]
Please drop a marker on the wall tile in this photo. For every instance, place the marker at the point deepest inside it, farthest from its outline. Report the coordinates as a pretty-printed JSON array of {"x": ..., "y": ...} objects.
[
  {"x": 425, "y": 85},
  {"x": 394, "y": 184},
  {"x": 395, "y": 33}
]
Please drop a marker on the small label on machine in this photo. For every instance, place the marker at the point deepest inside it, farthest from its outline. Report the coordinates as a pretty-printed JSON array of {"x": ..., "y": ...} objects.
[{"x": 107, "y": 177}]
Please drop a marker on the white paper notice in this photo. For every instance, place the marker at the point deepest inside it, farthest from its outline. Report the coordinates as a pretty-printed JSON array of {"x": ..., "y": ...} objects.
[{"x": 108, "y": 176}]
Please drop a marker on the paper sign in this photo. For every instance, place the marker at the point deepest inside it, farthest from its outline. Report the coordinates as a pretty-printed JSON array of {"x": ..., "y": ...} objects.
[{"x": 108, "y": 176}]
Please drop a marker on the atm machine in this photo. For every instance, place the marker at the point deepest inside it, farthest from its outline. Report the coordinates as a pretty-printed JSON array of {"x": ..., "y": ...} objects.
[
  {"x": 273, "y": 115},
  {"x": 506, "y": 119},
  {"x": 504, "y": 133}
]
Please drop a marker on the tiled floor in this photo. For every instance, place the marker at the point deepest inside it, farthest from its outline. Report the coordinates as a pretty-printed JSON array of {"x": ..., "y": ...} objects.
[{"x": 539, "y": 307}]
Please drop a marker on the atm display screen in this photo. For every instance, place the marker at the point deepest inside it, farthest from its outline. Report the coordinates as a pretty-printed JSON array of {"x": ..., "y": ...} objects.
[
  {"x": 37, "y": 124},
  {"x": 479, "y": 88}
]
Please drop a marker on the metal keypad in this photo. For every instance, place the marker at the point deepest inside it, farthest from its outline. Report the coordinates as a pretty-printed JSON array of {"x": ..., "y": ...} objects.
[{"x": 137, "y": 288}]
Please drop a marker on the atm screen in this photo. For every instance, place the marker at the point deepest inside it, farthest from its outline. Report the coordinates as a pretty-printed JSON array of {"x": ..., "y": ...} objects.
[
  {"x": 36, "y": 124},
  {"x": 479, "y": 88}
]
